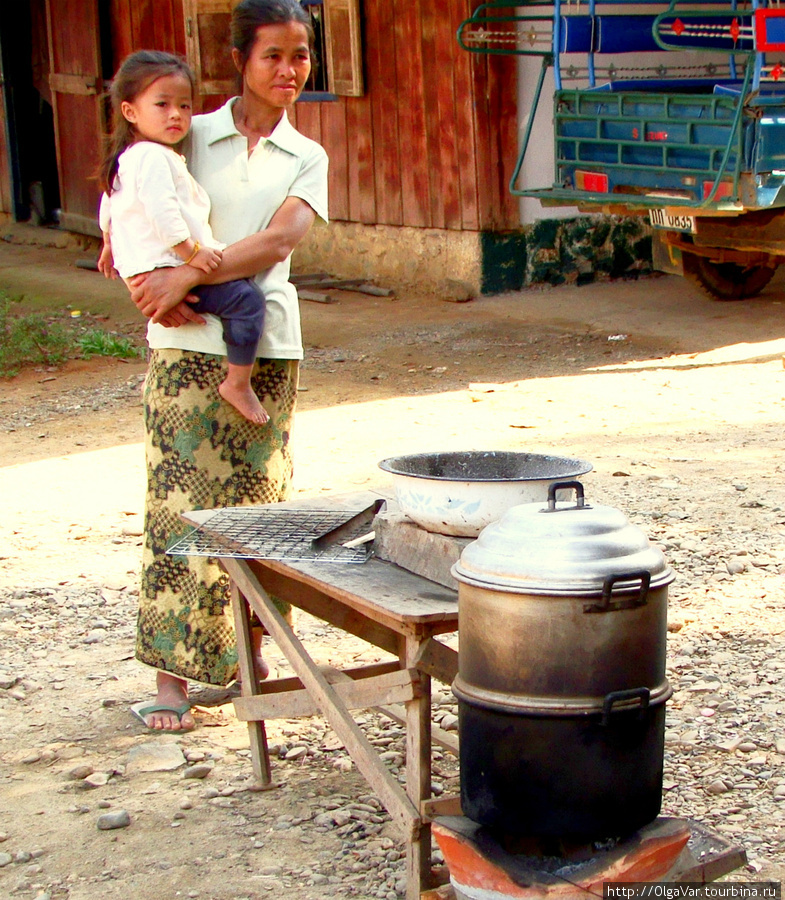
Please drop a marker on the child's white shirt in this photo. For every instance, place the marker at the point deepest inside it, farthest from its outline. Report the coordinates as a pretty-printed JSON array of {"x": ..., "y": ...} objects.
[{"x": 155, "y": 204}]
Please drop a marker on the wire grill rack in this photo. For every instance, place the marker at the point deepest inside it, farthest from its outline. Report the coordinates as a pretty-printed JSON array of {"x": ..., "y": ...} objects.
[{"x": 269, "y": 533}]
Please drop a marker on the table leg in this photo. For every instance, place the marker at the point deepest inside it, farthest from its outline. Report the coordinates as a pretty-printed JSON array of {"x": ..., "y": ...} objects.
[
  {"x": 396, "y": 801},
  {"x": 418, "y": 775},
  {"x": 257, "y": 734}
]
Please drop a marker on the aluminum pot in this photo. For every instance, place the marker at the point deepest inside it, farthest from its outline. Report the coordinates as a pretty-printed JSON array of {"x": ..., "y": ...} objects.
[
  {"x": 561, "y": 676},
  {"x": 460, "y": 492}
]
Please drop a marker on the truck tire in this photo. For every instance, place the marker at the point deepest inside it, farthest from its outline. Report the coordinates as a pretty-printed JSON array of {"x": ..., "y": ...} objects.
[{"x": 726, "y": 281}]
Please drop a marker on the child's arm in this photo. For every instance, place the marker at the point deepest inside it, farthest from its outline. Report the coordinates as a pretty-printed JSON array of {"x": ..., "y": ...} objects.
[
  {"x": 192, "y": 253},
  {"x": 105, "y": 258},
  {"x": 158, "y": 292}
]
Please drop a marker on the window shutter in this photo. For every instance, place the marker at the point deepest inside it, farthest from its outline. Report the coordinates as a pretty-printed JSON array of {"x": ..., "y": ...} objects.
[
  {"x": 207, "y": 47},
  {"x": 344, "y": 47}
]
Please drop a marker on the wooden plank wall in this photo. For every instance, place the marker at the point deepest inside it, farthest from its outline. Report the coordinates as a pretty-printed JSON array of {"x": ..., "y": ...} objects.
[
  {"x": 146, "y": 25},
  {"x": 433, "y": 142}
]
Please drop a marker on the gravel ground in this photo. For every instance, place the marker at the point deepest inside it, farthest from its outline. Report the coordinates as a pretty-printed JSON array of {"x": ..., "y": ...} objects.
[
  {"x": 725, "y": 745},
  {"x": 686, "y": 441}
]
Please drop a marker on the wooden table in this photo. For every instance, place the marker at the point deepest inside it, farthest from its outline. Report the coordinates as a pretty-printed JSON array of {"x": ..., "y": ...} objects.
[{"x": 390, "y": 608}]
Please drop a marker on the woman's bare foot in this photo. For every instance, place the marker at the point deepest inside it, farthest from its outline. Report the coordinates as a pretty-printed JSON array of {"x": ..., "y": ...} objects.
[
  {"x": 173, "y": 696},
  {"x": 244, "y": 400}
]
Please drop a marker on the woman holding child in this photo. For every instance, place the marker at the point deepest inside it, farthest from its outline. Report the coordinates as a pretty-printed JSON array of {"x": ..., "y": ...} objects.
[{"x": 266, "y": 184}]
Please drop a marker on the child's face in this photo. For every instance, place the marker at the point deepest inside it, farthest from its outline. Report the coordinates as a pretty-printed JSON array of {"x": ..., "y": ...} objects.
[{"x": 162, "y": 111}]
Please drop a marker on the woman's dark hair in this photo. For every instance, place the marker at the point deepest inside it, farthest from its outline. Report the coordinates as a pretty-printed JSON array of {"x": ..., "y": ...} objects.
[
  {"x": 136, "y": 73},
  {"x": 249, "y": 15}
]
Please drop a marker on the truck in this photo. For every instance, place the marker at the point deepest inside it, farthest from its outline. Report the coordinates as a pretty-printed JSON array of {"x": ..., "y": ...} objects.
[{"x": 674, "y": 111}]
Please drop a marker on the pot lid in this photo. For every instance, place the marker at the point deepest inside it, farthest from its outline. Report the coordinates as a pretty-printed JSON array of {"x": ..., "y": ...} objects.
[{"x": 564, "y": 548}]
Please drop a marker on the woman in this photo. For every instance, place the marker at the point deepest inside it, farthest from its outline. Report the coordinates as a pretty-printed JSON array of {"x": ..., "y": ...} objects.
[{"x": 267, "y": 184}]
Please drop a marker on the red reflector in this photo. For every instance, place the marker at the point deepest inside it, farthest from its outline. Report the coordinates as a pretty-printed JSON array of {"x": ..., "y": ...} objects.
[
  {"x": 591, "y": 181},
  {"x": 769, "y": 30},
  {"x": 725, "y": 189}
]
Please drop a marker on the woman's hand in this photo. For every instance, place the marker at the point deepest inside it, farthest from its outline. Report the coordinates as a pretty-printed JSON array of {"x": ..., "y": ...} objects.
[{"x": 156, "y": 294}]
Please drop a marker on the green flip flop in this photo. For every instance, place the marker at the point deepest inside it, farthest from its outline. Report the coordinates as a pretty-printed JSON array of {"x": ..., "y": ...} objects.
[{"x": 143, "y": 708}]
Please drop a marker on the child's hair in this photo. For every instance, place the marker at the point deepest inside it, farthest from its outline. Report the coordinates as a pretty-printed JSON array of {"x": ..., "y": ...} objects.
[{"x": 136, "y": 73}]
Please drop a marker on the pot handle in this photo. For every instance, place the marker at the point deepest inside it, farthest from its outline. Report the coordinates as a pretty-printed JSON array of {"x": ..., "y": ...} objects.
[
  {"x": 642, "y": 694},
  {"x": 580, "y": 503},
  {"x": 608, "y": 604}
]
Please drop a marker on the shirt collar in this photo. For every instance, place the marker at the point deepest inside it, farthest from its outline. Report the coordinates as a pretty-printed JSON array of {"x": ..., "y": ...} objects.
[{"x": 285, "y": 136}]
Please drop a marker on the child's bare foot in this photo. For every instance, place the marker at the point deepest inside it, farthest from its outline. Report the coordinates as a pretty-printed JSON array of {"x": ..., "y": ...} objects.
[{"x": 245, "y": 401}]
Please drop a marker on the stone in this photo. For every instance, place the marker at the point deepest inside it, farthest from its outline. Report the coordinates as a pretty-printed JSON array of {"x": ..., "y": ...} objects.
[
  {"x": 96, "y": 779},
  {"x": 729, "y": 746},
  {"x": 718, "y": 786},
  {"x": 155, "y": 756},
  {"x": 117, "y": 819},
  {"x": 271, "y": 870},
  {"x": 201, "y": 770}
]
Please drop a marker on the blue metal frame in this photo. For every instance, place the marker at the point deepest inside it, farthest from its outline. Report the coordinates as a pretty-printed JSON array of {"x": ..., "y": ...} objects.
[{"x": 699, "y": 28}]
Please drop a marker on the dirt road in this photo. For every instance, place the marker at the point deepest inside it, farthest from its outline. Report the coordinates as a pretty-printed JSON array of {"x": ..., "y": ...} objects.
[{"x": 675, "y": 399}]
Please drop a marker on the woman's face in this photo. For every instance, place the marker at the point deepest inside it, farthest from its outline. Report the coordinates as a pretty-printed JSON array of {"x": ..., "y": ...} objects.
[{"x": 278, "y": 65}]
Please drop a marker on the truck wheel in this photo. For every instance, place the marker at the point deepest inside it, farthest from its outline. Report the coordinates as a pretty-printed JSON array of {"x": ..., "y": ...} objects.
[{"x": 726, "y": 281}]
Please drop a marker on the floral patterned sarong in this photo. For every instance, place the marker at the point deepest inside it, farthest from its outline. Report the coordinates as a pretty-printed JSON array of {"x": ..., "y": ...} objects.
[{"x": 201, "y": 454}]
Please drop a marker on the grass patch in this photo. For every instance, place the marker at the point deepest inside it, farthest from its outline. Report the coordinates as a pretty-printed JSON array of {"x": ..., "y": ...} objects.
[
  {"x": 35, "y": 340},
  {"x": 31, "y": 340},
  {"x": 95, "y": 342}
]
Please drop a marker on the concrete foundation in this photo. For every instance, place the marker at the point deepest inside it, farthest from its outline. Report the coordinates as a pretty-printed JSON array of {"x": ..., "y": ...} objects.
[
  {"x": 446, "y": 263},
  {"x": 459, "y": 265}
]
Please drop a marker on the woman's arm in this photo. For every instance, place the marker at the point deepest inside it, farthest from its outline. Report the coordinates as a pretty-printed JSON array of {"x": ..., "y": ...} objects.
[
  {"x": 261, "y": 251},
  {"x": 159, "y": 292}
]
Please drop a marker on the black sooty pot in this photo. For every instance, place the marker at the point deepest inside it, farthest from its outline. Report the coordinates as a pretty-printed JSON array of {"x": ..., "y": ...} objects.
[{"x": 561, "y": 676}]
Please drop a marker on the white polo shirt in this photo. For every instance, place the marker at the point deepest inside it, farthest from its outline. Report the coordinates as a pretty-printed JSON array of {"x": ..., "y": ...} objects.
[{"x": 245, "y": 192}]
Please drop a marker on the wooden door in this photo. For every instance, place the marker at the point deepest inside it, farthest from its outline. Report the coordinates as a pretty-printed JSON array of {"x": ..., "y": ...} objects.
[
  {"x": 6, "y": 195},
  {"x": 76, "y": 84}
]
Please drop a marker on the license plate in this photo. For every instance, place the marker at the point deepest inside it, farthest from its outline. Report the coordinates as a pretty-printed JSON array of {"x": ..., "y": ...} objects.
[{"x": 660, "y": 219}]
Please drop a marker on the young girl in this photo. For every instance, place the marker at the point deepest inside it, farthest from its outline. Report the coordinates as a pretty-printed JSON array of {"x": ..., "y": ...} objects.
[{"x": 153, "y": 213}]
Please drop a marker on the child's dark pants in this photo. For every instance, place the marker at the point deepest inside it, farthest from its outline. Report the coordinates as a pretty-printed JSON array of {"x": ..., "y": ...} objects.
[{"x": 240, "y": 307}]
